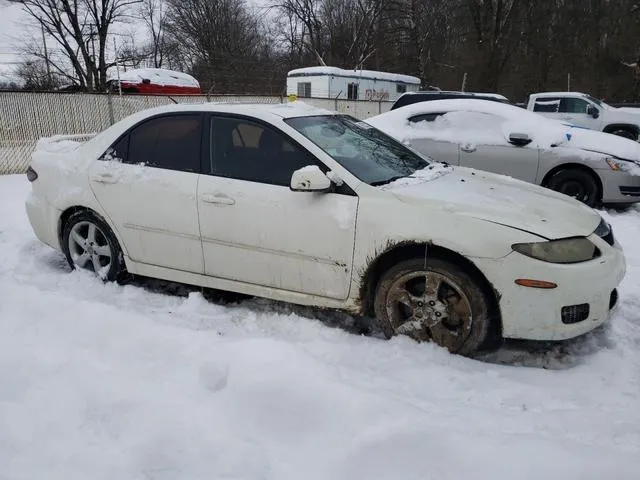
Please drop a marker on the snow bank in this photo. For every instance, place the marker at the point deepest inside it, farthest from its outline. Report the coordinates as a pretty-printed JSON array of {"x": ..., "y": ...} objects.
[{"x": 101, "y": 381}]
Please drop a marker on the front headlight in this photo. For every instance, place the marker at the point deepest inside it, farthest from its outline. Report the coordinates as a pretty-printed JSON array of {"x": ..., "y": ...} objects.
[
  {"x": 618, "y": 165},
  {"x": 567, "y": 250},
  {"x": 603, "y": 229}
]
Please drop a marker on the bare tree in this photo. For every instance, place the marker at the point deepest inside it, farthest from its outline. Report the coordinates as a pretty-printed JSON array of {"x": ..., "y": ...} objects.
[
  {"x": 308, "y": 13},
  {"x": 81, "y": 30},
  {"x": 350, "y": 28},
  {"x": 154, "y": 16},
  {"x": 492, "y": 22},
  {"x": 222, "y": 38},
  {"x": 36, "y": 76}
]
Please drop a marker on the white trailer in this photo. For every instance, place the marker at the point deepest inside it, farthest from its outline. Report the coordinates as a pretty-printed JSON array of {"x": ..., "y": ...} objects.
[{"x": 336, "y": 83}]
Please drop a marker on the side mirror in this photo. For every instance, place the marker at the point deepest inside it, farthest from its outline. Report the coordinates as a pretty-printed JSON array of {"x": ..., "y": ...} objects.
[
  {"x": 519, "y": 139},
  {"x": 593, "y": 111},
  {"x": 310, "y": 179}
]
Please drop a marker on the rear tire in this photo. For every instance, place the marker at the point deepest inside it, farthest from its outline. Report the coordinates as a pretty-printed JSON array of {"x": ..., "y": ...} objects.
[
  {"x": 576, "y": 183},
  {"x": 88, "y": 243},
  {"x": 439, "y": 303}
]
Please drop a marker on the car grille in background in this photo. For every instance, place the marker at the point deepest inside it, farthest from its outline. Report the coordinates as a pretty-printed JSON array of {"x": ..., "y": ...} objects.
[
  {"x": 575, "y": 313},
  {"x": 630, "y": 191}
]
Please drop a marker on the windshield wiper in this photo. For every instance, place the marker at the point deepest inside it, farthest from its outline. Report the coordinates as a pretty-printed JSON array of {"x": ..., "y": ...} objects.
[{"x": 389, "y": 180}]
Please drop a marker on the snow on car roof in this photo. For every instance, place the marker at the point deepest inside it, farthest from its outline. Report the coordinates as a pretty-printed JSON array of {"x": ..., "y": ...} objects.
[
  {"x": 504, "y": 110},
  {"x": 283, "y": 110},
  {"x": 560, "y": 94},
  {"x": 158, "y": 76},
  {"x": 545, "y": 131},
  {"x": 368, "y": 74}
]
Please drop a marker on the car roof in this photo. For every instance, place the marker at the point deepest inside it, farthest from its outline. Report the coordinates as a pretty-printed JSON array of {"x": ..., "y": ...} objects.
[
  {"x": 505, "y": 110},
  {"x": 259, "y": 110},
  {"x": 409, "y": 98},
  {"x": 560, "y": 94},
  {"x": 455, "y": 92}
]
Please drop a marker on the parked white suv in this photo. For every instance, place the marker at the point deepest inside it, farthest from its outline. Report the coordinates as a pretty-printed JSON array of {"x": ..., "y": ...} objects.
[{"x": 585, "y": 111}]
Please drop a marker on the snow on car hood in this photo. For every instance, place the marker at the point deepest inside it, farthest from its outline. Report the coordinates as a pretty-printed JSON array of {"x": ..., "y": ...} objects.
[
  {"x": 498, "y": 199},
  {"x": 605, "y": 143}
]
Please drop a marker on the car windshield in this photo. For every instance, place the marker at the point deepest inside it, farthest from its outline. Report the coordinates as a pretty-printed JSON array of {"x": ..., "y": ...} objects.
[
  {"x": 366, "y": 152},
  {"x": 600, "y": 103}
]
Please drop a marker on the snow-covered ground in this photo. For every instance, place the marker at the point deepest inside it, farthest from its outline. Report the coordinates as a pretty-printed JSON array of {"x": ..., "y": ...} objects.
[{"x": 152, "y": 381}]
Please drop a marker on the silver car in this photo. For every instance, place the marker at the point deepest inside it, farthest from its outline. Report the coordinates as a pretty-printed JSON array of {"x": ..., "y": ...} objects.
[{"x": 594, "y": 167}]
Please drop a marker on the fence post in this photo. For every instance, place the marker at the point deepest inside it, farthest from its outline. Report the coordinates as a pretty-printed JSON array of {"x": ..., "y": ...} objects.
[{"x": 110, "y": 105}]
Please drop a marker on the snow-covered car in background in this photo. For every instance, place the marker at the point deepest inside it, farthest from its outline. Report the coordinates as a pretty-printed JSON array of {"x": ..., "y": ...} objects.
[
  {"x": 593, "y": 167},
  {"x": 306, "y": 206}
]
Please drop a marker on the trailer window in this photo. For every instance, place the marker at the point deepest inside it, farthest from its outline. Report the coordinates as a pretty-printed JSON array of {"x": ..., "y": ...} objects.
[
  {"x": 304, "y": 89},
  {"x": 352, "y": 91},
  {"x": 401, "y": 88}
]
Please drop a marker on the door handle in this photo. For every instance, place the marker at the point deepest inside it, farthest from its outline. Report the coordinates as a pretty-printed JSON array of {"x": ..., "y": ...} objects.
[
  {"x": 104, "y": 178},
  {"x": 468, "y": 148},
  {"x": 218, "y": 198}
]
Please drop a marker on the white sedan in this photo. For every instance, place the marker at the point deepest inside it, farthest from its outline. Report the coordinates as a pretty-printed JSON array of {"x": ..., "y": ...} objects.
[{"x": 311, "y": 207}]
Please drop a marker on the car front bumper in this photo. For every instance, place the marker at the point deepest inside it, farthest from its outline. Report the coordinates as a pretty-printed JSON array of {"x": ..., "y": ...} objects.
[
  {"x": 537, "y": 314},
  {"x": 619, "y": 187}
]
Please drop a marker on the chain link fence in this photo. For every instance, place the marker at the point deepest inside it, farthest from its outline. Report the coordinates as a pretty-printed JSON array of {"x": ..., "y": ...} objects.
[{"x": 26, "y": 117}]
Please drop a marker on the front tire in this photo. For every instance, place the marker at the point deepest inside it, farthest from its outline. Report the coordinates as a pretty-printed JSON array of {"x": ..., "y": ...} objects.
[
  {"x": 576, "y": 183},
  {"x": 88, "y": 243},
  {"x": 626, "y": 134},
  {"x": 439, "y": 303}
]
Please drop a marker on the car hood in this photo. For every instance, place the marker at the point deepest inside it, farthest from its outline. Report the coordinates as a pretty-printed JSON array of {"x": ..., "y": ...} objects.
[
  {"x": 604, "y": 143},
  {"x": 498, "y": 199}
]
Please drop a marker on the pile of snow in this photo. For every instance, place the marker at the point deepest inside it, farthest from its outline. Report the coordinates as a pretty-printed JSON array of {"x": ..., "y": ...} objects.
[
  {"x": 431, "y": 172},
  {"x": 469, "y": 121},
  {"x": 104, "y": 381}
]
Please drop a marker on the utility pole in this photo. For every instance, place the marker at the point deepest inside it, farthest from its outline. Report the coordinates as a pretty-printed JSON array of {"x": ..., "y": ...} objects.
[
  {"x": 46, "y": 56},
  {"x": 115, "y": 50}
]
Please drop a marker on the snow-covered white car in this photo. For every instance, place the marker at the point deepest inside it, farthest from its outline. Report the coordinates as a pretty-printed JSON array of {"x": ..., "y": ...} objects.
[
  {"x": 594, "y": 167},
  {"x": 307, "y": 206}
]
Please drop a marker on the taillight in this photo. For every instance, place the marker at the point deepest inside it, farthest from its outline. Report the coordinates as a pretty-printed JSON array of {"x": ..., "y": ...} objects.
[{"x": 31, "y": 174}]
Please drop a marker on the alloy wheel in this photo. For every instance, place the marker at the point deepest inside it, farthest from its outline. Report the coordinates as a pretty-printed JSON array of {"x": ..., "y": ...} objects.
[{"x": 427, "y": 305}]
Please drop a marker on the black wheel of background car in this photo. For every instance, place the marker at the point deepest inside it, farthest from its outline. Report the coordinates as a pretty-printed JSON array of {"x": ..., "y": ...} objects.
[
  {"x": 626, "y": 134},
  {"x": 439, "y": 303},
  {"x": 576, "y": 183},
  {"x": 89, "y": 243}
]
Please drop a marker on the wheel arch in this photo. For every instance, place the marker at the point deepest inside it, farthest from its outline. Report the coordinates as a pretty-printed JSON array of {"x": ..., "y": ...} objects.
[
  {"x": 409, "y": 249},
  {"x": 577, "y": 166},
  {"x": 66, "y": 214},
  {"x": 612, "y": 127}
]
